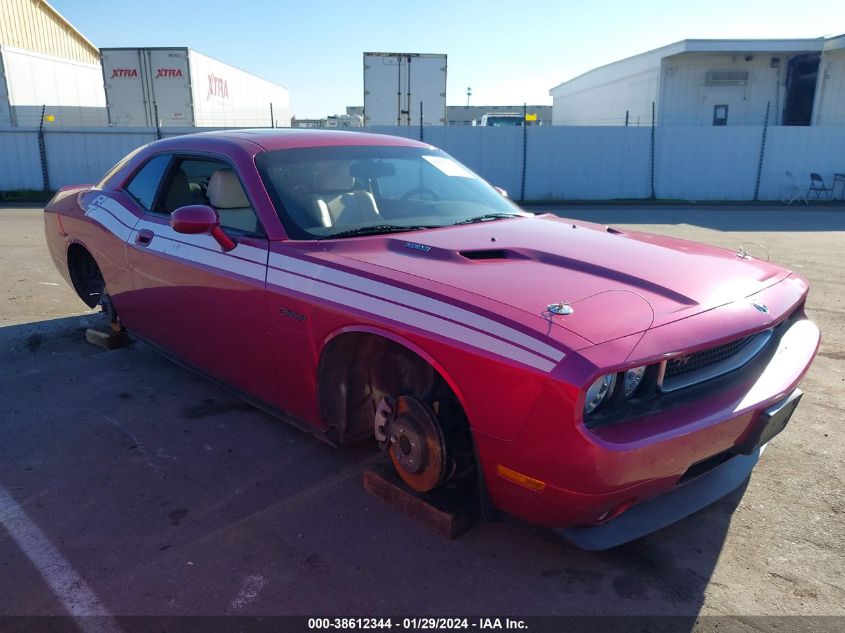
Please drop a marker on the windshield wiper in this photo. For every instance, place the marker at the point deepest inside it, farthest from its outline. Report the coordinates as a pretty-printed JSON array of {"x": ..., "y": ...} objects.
[
  {"x": 489, "y": 216},
  {"x": 377, "y": 230}
]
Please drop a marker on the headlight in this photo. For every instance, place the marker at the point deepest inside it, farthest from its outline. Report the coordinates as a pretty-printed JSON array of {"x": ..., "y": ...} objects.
[
  {"x": 633, "y": 378},
  {"x": 598, "y": 392}
]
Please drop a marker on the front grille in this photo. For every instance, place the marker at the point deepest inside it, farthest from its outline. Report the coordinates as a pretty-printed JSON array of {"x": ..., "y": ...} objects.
[
  {"x": 691, "y": 369},
  {"x": 699, "y": 360}
]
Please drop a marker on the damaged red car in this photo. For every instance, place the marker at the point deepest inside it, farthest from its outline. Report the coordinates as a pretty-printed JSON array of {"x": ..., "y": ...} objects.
[{"x": 365, "y": 287}]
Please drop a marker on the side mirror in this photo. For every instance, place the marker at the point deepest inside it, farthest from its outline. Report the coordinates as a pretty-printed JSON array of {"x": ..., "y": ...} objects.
[
  {"x": 501, "y": 191},
  {"x": 199, "y": 218}
]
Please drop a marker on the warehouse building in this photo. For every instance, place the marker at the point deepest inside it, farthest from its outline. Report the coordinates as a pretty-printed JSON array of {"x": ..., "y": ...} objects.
[
  {"x": 712, "y": 82},
  {"x": 48, "y": 67},
  {"x": 46, "y": 63}
]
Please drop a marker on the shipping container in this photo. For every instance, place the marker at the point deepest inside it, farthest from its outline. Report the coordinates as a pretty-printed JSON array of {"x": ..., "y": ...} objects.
[
  {"x": 178, "y": 87},
  {"x": 72, "y": 91},
  {"x": 402, "y": 88}
]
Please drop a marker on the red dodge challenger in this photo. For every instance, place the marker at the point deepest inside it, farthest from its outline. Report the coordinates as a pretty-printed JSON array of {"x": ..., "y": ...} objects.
[{"x": 599, "y": 381}]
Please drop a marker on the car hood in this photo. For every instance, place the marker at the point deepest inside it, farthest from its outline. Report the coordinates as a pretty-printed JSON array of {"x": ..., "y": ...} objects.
[{"x": 616, "y": 282}]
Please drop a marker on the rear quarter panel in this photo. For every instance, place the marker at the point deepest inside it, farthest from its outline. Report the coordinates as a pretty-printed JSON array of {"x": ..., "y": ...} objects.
[{"x": 70, "y": 219}]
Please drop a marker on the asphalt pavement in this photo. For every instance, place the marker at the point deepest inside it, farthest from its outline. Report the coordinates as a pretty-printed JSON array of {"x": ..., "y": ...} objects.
[{"x": 130, "y": 486}]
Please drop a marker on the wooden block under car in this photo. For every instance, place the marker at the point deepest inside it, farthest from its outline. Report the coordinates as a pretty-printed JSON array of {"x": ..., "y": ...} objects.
[
  {"x": 106, "y": 340},
  {"x": 441, "y": 511}
]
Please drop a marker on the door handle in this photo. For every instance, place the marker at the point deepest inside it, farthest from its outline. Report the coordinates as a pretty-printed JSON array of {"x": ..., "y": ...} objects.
[{"x": 144, "y": 237}]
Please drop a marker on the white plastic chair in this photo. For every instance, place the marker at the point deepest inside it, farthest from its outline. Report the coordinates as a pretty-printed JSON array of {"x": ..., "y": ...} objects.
[{"x": 795, "y": 191}]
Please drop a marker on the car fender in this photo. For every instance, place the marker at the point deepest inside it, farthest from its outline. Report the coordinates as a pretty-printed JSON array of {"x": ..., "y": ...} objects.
[{"x": 409, "y": 345}]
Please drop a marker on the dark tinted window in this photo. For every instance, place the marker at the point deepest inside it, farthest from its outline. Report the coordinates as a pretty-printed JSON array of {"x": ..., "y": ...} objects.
[{"x": 144, "y": 185}]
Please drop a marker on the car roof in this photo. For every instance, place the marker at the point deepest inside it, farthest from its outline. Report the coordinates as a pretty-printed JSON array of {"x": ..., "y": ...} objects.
[{"x": 290, "y": 138}]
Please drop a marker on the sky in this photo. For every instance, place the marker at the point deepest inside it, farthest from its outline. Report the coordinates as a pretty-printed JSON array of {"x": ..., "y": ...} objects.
[{"x": 508, "y": 52}]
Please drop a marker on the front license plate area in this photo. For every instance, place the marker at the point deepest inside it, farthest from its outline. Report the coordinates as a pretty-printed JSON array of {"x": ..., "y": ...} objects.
[{"x": 771, "y": 422}]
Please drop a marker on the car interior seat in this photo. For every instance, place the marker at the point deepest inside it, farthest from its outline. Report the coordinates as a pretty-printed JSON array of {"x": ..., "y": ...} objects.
[
  {"x": 338, "y": 201},
  {"x": 182, "y": 193},
  {"x": 227, "y": 196}
]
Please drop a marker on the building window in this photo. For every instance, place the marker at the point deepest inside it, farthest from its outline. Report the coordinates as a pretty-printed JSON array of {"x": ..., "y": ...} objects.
[{"x": 720, "y": 115}]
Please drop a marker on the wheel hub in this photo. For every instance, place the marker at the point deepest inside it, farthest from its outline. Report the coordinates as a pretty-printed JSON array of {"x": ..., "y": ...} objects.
[
  {"x": 408, "y": 444},
  {"x": 415, "y": 441}
]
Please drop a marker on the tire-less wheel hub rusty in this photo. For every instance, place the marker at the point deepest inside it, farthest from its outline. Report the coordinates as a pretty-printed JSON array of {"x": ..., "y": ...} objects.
[{"x": 415, "y": 442}]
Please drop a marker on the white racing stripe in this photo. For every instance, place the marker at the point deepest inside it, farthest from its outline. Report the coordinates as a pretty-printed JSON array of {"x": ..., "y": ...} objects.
[
  {"x": 109, "y": 222},
  {"x": 373, "y": 297},
  {"x": 221, "y": 261},
  {"x": 415, "y": 300},
  {"x": 103, "y": 207},
  {"x": 243, "y": 251},
  {"x": 117, "y": 210},
  {"x": 407, "y": 316},
  {"x": 78, "y": 599}
]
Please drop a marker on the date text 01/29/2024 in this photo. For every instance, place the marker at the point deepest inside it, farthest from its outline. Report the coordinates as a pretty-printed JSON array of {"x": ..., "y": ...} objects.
[{"x": 414, "y": 624}]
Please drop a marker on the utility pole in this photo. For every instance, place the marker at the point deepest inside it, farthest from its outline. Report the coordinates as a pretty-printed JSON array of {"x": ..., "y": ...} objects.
[{"x": 42, "y": 151}]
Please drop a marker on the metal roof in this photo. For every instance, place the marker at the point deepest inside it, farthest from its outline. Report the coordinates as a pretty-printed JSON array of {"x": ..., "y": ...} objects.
[
  {"x": 67, "y": 23},
  {"x": 797, "y": 45}
]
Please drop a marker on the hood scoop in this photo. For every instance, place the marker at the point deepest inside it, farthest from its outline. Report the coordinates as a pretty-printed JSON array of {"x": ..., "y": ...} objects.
[{"x": 491, "y": 254}]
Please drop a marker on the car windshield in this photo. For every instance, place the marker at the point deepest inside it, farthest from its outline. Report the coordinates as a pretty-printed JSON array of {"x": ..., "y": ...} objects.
[{"x": 328, "y": 192}]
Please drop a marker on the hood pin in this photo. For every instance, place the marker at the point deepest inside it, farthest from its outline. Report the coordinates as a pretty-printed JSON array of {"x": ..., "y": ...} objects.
[{"x": 561, "y": 308}]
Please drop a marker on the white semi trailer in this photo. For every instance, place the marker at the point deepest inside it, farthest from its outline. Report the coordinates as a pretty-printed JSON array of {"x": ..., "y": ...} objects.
[
  {"x": 400, "y": 86},
  {"x": 70, "y": 93},
  {"x": 178, "y": 87}
]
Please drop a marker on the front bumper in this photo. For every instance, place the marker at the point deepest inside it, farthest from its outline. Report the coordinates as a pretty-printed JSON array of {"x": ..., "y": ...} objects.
[
  {"x": 596, "y": 479},
  {"x": 668, "y": 508}
]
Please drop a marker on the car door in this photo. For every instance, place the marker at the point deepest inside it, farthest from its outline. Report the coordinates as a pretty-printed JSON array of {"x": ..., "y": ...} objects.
[{"x": 203, "y": 305}]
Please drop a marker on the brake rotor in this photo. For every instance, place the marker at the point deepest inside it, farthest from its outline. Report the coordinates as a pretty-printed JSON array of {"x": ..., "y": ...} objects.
[{"x": 417, "y": 445}]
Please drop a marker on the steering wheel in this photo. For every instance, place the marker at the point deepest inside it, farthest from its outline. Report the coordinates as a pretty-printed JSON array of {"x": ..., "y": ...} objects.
[{"x": 423, "y": 193}]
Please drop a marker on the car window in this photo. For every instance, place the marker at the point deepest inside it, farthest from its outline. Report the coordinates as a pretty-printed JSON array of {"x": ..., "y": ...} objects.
[
  {"x": 320, "y": 192},
  {"x": 210, "y": 182},
  {"x": 144, "y": 185},
  {"x": 187, "y": 184},
  {"x": 118, "y": 166}
]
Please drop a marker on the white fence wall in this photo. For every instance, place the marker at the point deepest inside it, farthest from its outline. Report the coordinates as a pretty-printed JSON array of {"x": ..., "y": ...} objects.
[
  {"x": 563, "y": 163},
  {"x": 74, "y": 155},
  {"x": 81, "y": 157},
  {"x": 712, "y": 163},
  {"x": 20, "y": 165},
  {"x": 586, "y": 163},
  {"x": 802, "y": 150}
]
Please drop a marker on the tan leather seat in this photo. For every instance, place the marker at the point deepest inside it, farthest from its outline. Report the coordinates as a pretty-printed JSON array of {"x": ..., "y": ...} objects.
[
  {"x": 228, "y": 197},
  {"x": 337, "y": 203}
]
